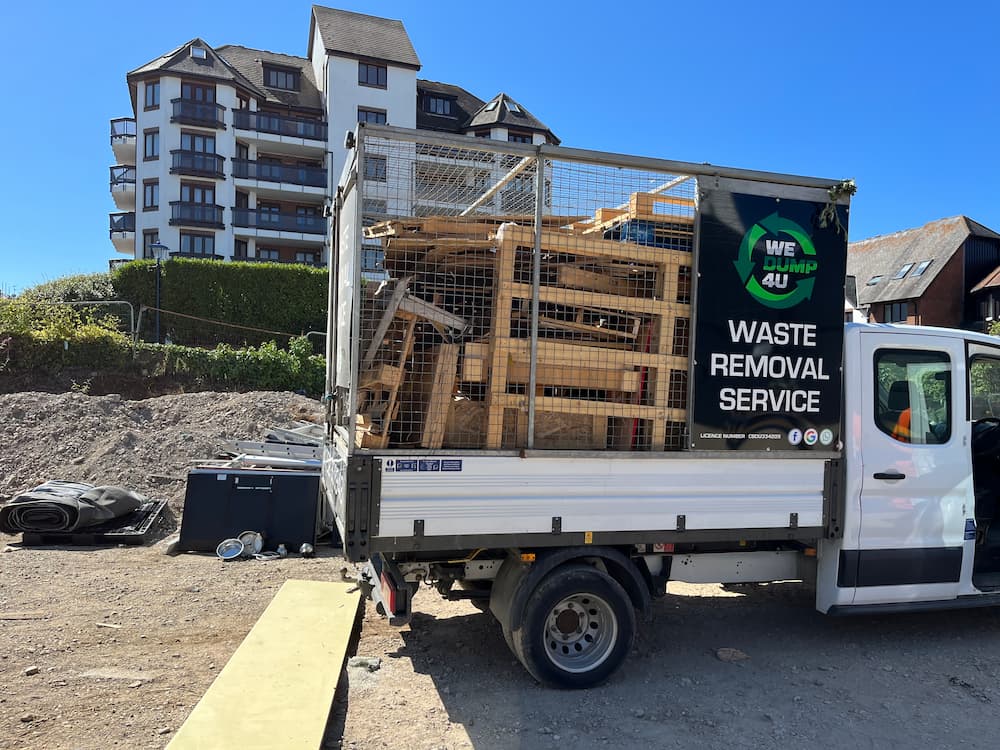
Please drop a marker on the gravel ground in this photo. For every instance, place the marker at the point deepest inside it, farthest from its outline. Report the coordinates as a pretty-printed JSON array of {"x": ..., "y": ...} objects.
[{"x": 713, "y": 667}]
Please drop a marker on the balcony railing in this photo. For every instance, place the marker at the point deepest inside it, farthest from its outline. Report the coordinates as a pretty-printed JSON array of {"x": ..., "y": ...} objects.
[
  {"x": 205, "y": 114},
  {"x": 196, "y": 163},
  {"x": 122, "y": 128},
  {"x": 266, "y": 122},
  {"x": 196, "y": 214},
  {"x": 199, "y": 256},
  {"x": 122, "y": 175},
  {"x": 122, "y": 222},
  {"x": 283, "y": 222},
  {"x": 296, "y": 175}
]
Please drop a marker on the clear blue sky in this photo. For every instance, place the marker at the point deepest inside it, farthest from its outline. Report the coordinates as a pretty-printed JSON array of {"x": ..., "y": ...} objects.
[{"x": 901, "y": 96}]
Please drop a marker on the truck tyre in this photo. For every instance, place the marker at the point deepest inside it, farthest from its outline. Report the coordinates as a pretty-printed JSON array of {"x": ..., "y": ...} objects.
[{"x": 578, "y": 627}]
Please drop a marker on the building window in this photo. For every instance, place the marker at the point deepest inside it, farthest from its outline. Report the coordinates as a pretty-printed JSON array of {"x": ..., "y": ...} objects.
[
  {"x": 373, "y": 116},
  {"x": 151, "y": 144},
  {"x": 268, "y": 253},
  {"x": 196, "y": 92},
  {"x": 375, "y": 168},
  {"x": 152, "y": 94},
  {"x": 437, "y": 105},
  {"x": 922, "y": 267},
  {"x": 197, "y": 244},
  {"x": 514, "y": 136},
  {"x": 149, "y": 238},
  {"x": 242, "y": 102},
  {"x": 874, "y": 280},
  {"x": 282, "y": 78},
  {"x": 199, "y": 53},
  {"x": 150, "y": 195},
  {"x": 372, "y": 75},
  {"x": 268, "y": 213},
  {"x": 483, "y": 134},
  {"x": 193, "y": 192},
  {"x": 896, "y": 312},
  {"x": 903, "y": 271},
  {"x": 202, "y": 144},
  {"x": 302, "y": 257},
  {"x": 239, "y": 249}
]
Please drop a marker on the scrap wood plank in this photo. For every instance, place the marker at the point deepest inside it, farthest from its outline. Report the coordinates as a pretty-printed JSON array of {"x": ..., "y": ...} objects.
[
  {"x": 277, "y": 689},
  {"x": 592, "y": 408},
  {"x": 585, "y": 246},
  {"x": 581, "y": 298},
  {"x": 442, "y": 386}
]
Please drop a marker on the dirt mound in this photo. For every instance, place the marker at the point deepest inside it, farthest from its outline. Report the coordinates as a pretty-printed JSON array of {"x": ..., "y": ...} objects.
[{"x": 143, "y": 445}]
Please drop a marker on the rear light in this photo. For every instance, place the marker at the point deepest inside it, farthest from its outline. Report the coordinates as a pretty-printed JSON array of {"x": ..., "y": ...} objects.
[{"x": 388, "y": 594}]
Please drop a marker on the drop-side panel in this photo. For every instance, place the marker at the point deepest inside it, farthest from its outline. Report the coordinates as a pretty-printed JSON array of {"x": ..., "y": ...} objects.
[{"x": 489, "y": 495}]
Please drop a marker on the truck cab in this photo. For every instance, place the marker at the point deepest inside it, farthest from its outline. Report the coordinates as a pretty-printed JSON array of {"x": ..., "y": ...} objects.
[{"x": 921, "y": 456}]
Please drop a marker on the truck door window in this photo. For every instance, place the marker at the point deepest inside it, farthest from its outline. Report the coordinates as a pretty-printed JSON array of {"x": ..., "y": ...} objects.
[
  {"x": 913, "y": 395},
  {"x": 984, "y": 387}
]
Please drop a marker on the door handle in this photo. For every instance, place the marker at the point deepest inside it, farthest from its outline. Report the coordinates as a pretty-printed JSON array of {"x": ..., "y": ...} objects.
[{"x": 889, "y": 475}]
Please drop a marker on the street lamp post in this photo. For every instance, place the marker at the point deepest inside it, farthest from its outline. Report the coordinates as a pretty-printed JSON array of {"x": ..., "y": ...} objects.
[{"x": 160, "y": 252}]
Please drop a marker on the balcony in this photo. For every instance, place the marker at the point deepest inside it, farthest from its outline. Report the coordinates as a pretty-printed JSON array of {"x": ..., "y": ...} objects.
[
  {"x": 246, "y": 169},
  {"x": 279, "y": 125},
  {"x": 123, "y": 139},
  {"x": 279, "y": 222},
  {"x": 122, "y": 186},
  {"x": 196, "y": 215},
  {"x": 122, "y": 232},
  {"x": 197, "y": 256},
  {"x": 249, "y": 259},
  {"x": 202, "y": 114},
  {"x": 196, "y": 163}
]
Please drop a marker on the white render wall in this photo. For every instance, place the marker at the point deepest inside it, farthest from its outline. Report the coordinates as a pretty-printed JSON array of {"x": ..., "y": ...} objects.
[{"x": 345, "y": 95}]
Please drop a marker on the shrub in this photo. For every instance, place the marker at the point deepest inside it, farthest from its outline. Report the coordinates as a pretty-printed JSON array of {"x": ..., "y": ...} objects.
[
  {"x": 79, "y": 288},
  {"x": 275, "y": 297}
]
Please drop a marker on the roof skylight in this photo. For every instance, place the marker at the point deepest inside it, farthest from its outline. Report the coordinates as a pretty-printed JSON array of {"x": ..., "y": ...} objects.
[
  {"x": 903, "y": 271},
  {"x": 874, "y": 280},
  {"x": 922, "y": 267}
]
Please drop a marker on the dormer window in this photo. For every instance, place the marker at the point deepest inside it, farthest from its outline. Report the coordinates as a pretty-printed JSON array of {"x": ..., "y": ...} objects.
[
  {"x": 438, "y": 105},
  {"x": 282, "y": 78},
  {"x": 513, "y": 108},
  {"x": 199, "y": 53}
]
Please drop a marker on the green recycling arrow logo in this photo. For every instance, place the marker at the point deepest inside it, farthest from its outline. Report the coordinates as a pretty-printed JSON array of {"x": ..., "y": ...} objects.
[{"x": 786, "y": 275}]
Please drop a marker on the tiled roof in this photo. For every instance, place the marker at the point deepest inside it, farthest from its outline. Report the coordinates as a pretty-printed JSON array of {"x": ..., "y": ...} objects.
[
  {"x": 250, "y": 63},
  {"x": 502, "y": 110},
  {"x": 886, "y": 255},
  {"x": 180, "y": 62},
  {"x": 463, "y": 105},
  {"x": 360, "y": 35}
]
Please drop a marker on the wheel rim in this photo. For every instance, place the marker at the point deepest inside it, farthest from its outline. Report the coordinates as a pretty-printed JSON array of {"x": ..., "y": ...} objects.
[{"x": 580, "y": 633}]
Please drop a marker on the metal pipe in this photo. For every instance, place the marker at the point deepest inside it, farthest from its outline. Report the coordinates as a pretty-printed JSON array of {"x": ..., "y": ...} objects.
[
  {"x": 536, "y": 285},
  {"x": 520, "y": 167},
  {"x": 157, "y": 300}
]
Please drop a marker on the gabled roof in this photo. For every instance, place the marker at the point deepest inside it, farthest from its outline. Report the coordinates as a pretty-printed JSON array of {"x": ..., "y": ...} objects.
[
  {"x": 180, "y": 62},
  {"x": 250, "y": 63},
  {"x": 502, "y": 110},
  {"x": 886, "y": 255},
  {"x": 362, "y": 36},
  {"x": 463, "y": 106}
]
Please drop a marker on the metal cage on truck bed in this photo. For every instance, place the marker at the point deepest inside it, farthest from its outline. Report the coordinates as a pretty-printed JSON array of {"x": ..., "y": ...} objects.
[{"x": 495, "y": 300}]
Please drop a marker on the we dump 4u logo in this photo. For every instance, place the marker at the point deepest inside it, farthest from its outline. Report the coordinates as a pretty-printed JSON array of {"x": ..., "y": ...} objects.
[{"x": 777, "y": 262}]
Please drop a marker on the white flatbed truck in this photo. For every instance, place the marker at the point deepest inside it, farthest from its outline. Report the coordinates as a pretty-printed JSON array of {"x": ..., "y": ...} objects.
[{"x": 884, "y": 512}]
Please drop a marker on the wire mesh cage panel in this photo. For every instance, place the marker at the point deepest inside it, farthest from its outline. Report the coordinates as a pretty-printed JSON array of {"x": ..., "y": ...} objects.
[{"x": 509, "y": 301}]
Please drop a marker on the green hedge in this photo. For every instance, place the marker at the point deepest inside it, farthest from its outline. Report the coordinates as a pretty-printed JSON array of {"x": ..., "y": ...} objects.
[
  {"x": 276, "y": 297},
  {"x": 46, "y": 339}
]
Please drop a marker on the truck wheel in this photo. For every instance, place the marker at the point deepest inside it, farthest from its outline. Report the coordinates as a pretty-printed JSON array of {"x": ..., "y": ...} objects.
[{"x": 578, "y": 627}]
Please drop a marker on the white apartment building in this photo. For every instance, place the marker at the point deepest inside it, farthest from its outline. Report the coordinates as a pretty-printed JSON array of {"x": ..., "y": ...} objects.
[{"x": 234, "y": 153}]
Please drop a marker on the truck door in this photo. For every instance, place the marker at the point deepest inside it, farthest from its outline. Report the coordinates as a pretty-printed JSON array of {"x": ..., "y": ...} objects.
[{"x": 916, "y": 475}]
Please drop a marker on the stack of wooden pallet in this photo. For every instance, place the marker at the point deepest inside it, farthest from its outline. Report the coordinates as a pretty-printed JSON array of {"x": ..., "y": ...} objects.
[{"x": 448, "y": 365}]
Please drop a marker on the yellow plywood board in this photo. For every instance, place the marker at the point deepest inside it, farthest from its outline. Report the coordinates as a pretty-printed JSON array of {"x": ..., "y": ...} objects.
[{"x": 277, "y": 688}]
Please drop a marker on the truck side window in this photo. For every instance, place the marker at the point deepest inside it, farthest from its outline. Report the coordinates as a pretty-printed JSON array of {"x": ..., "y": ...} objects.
[
  {"x": 984, "y": 387},
  {"x": 913, "y": 395}
]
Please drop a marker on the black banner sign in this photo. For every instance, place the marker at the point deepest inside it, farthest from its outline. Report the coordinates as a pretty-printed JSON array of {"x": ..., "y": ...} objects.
[{"x": 770, "y": 324}]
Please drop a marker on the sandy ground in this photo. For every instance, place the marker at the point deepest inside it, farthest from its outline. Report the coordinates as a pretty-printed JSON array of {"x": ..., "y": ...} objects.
[{"x": 447, "y": 680}]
